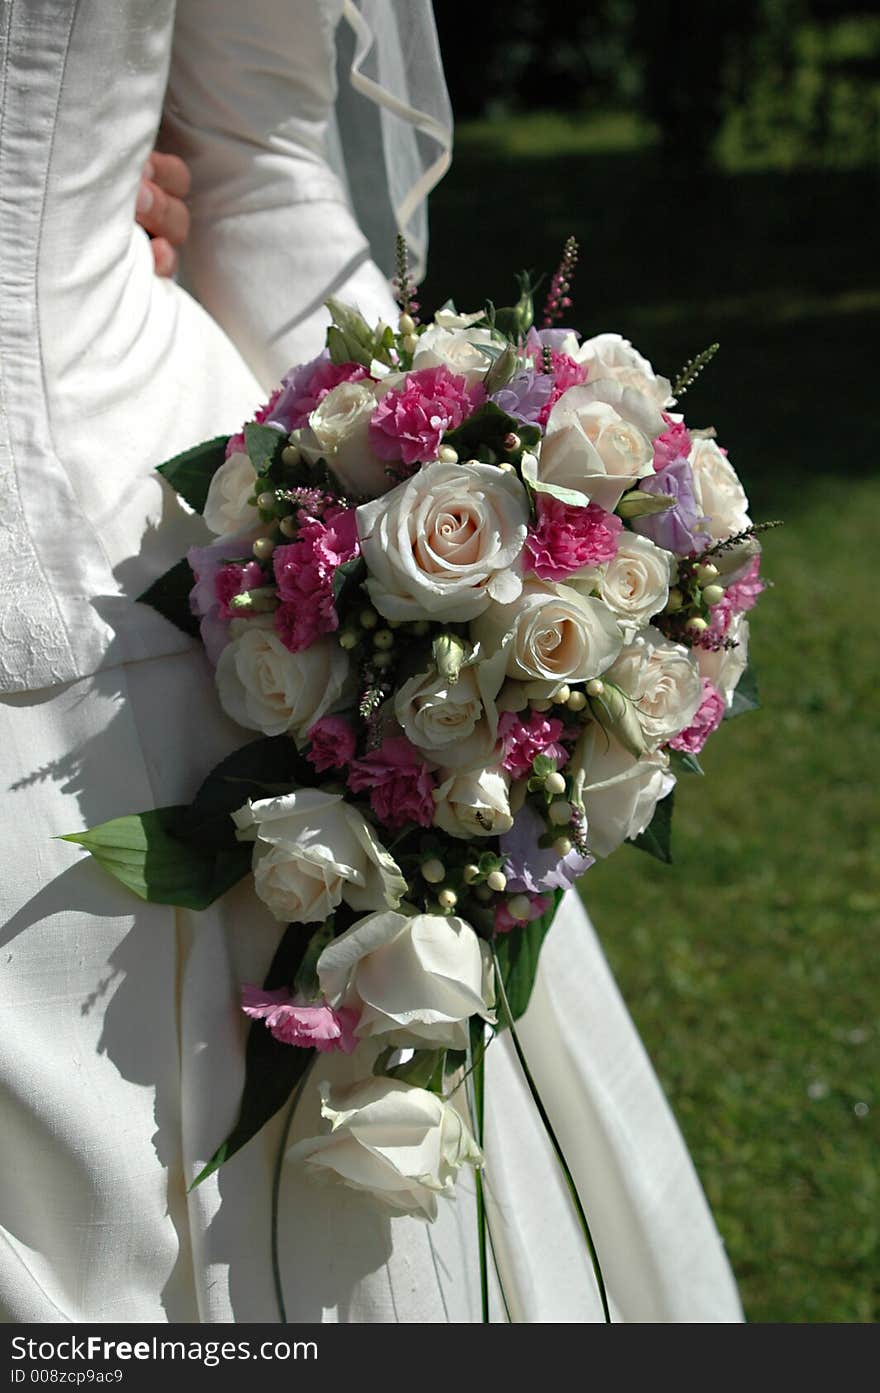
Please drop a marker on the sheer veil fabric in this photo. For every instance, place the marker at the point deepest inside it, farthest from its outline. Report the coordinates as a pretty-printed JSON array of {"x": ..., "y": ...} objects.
[{"x": 122, "y": 1055}]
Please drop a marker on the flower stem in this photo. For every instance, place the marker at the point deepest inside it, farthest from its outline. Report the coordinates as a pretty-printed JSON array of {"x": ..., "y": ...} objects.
[
  {"x": 477, "y": 1072},
  {"x": 276, "y": 1192},
  {"x": 548, "y": 1126}
]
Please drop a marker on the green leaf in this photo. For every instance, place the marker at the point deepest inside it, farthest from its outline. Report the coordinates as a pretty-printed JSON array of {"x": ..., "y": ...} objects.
[
  {"x": 745, "y": 697},
  {"x": 190, "y": 474},
  {"x": 482, "y": 435},
  {"x": 260, "y": 769},
  {"x": 272, "y": 1069},
  {"x": 264, "y": 445},
  {"x": 347, "y": 579},
  {"x": 517, "y": 953},
  {"x": 426, "y": 1069},
  {"x": 685, "y": 763},
  {"x": 170, "y": 596},
  {"x": 657, "y": 837},
  {"x": 146, "y": 852}
]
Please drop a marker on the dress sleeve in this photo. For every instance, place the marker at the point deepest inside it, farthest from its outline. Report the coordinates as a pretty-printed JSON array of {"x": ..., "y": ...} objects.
[{"x": 251, "y": 107}]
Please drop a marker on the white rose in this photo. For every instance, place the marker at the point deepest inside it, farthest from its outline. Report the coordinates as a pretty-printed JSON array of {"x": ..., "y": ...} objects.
[
  {"x": 416, "y": 979},
  {"x": 599, "y": 441},
  {"x": 621, "y": 792},
  {"x": 263, "y": 686},
  {"x": 635, "y": 585},
  {"x": 718, "y": 493},
  {"x": 313, "y": 850},
  {"x": 447, "y": 722},
  {"x": 401, "y": 1144},
  {"x": 226, "y": 507},
  {"x": 340, "y": 425},
  {"x": 727, "y": 665},
  {"x": 442, "y": 545},
  {"x": 609, "y": 355},
  {"x": 663, "y": 681},
  {"x": 456, "y": 349},
  {"x": 474, "y": 804},
  {"x": 552, "y": 633}
]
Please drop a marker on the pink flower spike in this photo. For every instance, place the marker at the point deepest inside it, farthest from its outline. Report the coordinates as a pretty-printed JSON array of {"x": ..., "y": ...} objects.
[
  {"x": 410, "y": 421},
  {"x": 400, "y": 784},
  {"x": 318, "y": 1026},
  {"x": 566, "y": 538},
  {"x": 707, "y": 720},
  {"x": 332, "y": 743}
]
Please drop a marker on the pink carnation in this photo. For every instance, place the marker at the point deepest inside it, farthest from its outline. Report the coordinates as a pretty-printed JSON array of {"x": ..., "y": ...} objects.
[
  {"x": 565, "y": 372},
  {"x": 400, "y": 784},
  {"x": 719, "y": 623},
  {"x": 310, "y": 393},
  {"x": 673, "y": 444},
  {"x": 235, "y": 445},
  {"x": 231, "y": 580},
  {"x": 504, "y": 920},
  {"x": 523, "y": 740},
  {"x": 567, "y": 538},
  {"x": 304, "y": 573},
  {"x": 409, "y": 422},
  {"x": 707, "y": 720},
  {"x": 332, "y": 743},
  {"x": 743, "y": 594},
  {"x": 318, "y": 1026}
]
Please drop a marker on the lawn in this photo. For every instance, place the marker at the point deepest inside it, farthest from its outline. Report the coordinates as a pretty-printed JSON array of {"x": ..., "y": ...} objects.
[{"x": 749, "y": 965}]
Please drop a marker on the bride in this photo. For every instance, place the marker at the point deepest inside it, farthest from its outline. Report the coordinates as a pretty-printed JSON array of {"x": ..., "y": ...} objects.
[{"x": 122, "y": 1036}]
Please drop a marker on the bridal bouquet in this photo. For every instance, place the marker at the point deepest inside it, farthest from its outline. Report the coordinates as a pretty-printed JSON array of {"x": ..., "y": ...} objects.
[{"x": 481, "y": 594}]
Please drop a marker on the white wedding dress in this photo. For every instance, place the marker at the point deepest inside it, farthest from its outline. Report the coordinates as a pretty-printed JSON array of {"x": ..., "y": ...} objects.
[{"x": 122, "y": 1038}]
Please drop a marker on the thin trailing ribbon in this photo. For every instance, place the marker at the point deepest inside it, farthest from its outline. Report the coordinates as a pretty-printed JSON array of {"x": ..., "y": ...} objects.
[
  {"x": 554, "y": 1141},
  {"x": 276, "y": 1191}
]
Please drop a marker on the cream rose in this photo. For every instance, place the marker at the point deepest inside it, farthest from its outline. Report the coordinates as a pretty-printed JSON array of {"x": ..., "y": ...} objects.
[
  {"x": 609, "y": 355},
  {"x": 663, "y": 681},
  {"x": 599, "y": 441},
  {"x": 718, "y": 493},
  {"x": 226, "y": 508},
  {"x": 415, "y": 979},
  {"x": 635, "y": 585},
  {"x": 447, "y": 721},
  {"x": 263, "y": 686},
  {"x": 339, "y": 426},
  {"x": 552, "y": 633},
  {"x": 403, "y": 1145},
  {"x": 727, "y": 666},
  {"x": 456, "y": 349},
  {"x": 312, "y": 850},
  {"x": 620, "y": 792},
  {"x": 473, "y": 804},
  {"x": 443, "y": 544}
]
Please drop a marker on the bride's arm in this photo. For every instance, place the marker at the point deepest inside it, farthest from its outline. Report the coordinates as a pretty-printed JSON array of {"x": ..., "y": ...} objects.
[{"x": 250, "y": 108}]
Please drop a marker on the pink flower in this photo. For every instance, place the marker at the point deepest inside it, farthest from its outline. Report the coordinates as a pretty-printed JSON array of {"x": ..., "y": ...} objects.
[
  {"x": 400, "y": 784},
  {"x": 410, "y": 421},
  {"x": 333, "y": 743},
  {"x": 318, "y": 1026},
  {"x": 719, "y": 623},
  {"x": 566, "y": 538},
  {"x": 235, "y": 445},
  {"x": 231, "y": 580},
  {"x": 565, "y": 373},
  {"x": 304, "y": 573},
  {"x": 523, "y": 740},
  {"x": 707, "y": 720},
  {"x": 306, "y": 390},
  {"x": 673, "y": 444},
  {"x": 504, "y": 920},
  {"x": 742, "y": 595}
]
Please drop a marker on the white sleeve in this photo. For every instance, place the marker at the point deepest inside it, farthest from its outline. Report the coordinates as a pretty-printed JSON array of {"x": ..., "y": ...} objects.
[{"x": 251, "y": 108}]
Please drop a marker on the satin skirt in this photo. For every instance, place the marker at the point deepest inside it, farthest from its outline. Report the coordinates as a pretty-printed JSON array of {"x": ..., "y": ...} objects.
[{"x": 122, "y": 1065}]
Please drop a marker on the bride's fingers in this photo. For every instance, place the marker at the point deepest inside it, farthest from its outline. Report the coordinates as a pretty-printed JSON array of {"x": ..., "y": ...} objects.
[
  {"x": 170, "y": 173},
  {"x": 164, "y": 257},
  {"x": 160, "y": 213}
]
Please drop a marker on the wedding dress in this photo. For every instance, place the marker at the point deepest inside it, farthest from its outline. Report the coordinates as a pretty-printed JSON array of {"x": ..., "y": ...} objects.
[{"x": 122, "y": 1052}]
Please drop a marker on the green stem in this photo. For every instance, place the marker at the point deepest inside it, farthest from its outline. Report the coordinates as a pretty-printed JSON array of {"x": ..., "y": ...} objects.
[
  {"x": 477, "y": 1071},
  {"x": 548, "y": 1126},
  {"x": 276, "y": 1192}
]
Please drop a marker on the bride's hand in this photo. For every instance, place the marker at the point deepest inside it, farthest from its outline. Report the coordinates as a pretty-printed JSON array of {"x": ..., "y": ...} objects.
[{"x": 160, "y": 208}]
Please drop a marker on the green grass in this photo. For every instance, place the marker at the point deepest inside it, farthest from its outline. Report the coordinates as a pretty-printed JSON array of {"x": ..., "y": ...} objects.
[{"x": 750, "y": 965}]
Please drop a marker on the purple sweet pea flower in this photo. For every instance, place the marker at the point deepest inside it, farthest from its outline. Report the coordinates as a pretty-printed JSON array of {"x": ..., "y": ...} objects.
[
  {"x": 549, "y": 338},
  {"x": 206, "y": 563},
  {"x": 531, "y": 869},
  {"x": 525, "y": 396},
  {"x": 678, "y": 529}
]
